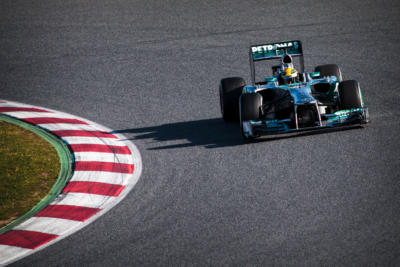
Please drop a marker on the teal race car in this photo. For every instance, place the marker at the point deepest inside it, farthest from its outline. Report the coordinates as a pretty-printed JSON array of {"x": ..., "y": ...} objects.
[{"x": 290, "y": 100}]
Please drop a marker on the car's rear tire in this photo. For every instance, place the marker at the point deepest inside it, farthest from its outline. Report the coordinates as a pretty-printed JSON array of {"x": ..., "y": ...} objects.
[
  {"x": 327, "y": 70},
  {"x": 230, "y": 90},
  {"x": 350, "y": 95},
  {"x": 250, "y": 105}
]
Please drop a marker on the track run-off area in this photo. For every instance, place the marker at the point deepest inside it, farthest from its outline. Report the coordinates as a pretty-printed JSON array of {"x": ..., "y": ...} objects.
[
  {"x": 150, "y": 70},
  {"x": 103, "y": 168}
]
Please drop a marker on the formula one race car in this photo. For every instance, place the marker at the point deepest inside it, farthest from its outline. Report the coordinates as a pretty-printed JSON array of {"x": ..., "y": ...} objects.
[{"x": 290, "y": 101}]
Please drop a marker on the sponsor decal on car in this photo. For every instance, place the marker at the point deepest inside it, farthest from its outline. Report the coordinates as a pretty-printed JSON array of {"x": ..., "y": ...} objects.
[{"x": 270, "y": 47}]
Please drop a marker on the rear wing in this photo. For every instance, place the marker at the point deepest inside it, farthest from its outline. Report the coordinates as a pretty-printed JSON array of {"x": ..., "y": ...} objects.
[{"x": 274, "y": 51}]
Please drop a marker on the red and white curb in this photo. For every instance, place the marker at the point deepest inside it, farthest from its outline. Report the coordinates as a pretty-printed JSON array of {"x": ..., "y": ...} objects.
[{"x": 106, "y": 168}]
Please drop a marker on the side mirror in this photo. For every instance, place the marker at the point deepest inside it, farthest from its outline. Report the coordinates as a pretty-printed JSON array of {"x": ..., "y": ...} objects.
[
  {"x": 270, "y": 79},
  {"x": 315, "y": 74}
]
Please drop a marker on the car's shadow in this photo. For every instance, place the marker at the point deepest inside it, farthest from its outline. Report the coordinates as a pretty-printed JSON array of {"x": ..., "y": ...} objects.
[{"x": 210, "y": 133}]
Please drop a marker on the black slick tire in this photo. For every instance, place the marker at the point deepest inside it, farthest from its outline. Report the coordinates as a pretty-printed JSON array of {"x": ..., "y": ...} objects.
[
  {"x": 250, "y": 105},
  {"x": 350, "y": 95},
  {"x": 230, "y": 90}
]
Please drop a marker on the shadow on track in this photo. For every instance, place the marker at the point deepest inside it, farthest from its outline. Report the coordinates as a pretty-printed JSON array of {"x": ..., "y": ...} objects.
[{"x": 210, "y": 133}]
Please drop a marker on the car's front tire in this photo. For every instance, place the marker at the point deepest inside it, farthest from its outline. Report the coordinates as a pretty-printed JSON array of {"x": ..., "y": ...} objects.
[
  {"x": 350, "y": 95},
  {"x": 250, "y": 106},
  {"x": 230, "y": 90}
]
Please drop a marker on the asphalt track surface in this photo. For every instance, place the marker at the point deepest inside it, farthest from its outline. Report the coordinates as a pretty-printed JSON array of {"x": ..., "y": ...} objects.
[{"x": 150, "y": 69}]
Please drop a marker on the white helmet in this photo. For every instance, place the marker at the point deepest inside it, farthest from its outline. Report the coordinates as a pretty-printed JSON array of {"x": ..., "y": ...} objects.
[{"x": 287, "y": 62}]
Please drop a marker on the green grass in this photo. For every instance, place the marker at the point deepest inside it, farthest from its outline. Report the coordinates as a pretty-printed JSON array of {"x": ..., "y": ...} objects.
[{"x": 29, "y": 167}]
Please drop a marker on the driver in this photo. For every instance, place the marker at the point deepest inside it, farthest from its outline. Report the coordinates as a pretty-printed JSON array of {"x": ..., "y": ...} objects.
[{"x": 288, "y": 74}]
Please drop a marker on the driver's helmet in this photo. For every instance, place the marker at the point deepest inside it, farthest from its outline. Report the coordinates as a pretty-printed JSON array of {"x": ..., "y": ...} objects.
[
  {"x": 289, "y": 75},
  {"x": 287, "y": 62}
]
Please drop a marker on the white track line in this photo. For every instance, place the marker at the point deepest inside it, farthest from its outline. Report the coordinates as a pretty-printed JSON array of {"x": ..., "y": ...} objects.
[
  {"x": 82, "y": 200},
  {"x": 93, "y": 140},
  {"x": 103, "y": 157},
  {"x": 54, "y": 226},
  {"x": 102, "y": 177}
]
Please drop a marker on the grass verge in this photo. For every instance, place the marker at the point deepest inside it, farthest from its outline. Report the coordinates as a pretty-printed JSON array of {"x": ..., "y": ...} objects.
[{"x": 29, "y": 166}]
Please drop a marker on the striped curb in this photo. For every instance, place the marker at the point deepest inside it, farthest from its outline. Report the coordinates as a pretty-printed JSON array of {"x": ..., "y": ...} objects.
[
  {"x": 106, "y": 167},
  {"x": 64, "y": 175}
]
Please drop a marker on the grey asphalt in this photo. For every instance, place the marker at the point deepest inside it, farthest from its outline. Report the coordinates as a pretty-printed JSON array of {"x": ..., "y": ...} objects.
[{"x": 150, "y": 70}]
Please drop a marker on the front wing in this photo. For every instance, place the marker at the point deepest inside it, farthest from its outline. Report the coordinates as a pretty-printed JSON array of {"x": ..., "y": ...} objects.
[{"x": 340, "y": 118}]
